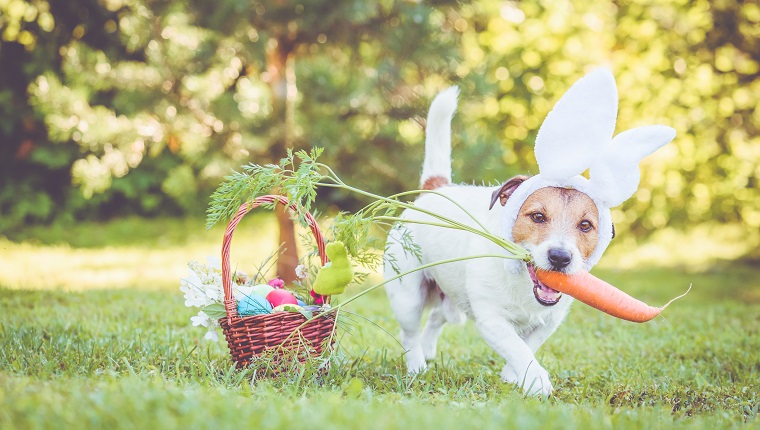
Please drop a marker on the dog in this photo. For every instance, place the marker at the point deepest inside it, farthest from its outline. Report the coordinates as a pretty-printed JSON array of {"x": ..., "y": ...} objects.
[{"x": 562, "y": 227}]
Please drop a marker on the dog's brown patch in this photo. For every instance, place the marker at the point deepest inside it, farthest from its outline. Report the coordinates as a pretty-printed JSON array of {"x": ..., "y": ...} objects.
[
  {"x": 552, "y": 209},
  {"x": 434, "y": 182}
]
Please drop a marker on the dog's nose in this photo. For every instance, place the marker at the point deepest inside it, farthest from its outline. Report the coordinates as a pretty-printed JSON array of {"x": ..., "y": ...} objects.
[{"x": 559, "y": 258}]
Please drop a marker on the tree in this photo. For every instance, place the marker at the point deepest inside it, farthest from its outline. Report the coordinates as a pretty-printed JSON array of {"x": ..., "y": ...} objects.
[
  {"x": 35, "y": 174},
  {"x": 287, "y": 32},
  {"x": 692, "y": 65},
  {"x": 202, "y": 88},
  {"x": 181, "y": 93}
]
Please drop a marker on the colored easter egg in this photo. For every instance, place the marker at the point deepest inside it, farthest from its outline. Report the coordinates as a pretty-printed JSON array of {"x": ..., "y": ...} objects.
[
  {"x": 281, "y": 297},
  {"x": 287, "y": 308},
  {"x": 300, "y": 302},
  {"x": 262, "y": 289},
  {"x": 254, "y": 305}
]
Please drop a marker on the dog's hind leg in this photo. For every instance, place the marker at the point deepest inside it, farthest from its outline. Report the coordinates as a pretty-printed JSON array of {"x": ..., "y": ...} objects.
[
  {"x": 442, "y": 311},
  {"x": 433, "y": 328},
  {"x": 407, "y": 298}
]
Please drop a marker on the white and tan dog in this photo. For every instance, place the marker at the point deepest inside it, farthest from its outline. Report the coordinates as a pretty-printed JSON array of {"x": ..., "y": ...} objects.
[{"x": 561, "y": 218}]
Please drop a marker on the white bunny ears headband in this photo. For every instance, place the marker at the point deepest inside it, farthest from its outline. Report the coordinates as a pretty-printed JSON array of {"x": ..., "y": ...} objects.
[{"x": 578, "y": 135}]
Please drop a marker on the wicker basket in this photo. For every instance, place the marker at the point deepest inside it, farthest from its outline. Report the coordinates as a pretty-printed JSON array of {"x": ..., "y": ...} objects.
[{"x": 251, "y": 336}]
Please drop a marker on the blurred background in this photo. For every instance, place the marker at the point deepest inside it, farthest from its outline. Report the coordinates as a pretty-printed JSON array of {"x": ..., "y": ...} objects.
[{"x": 139, "y": 108}]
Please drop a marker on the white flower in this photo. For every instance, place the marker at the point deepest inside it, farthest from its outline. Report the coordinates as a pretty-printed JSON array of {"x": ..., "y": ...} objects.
[
  {"x": 302, "y": 271},
  {"x": 203, "y": 287},
  {"x": 214, "y": 263},
  {"x": 215, "y": 295},
  {"x": 212, "y": 335},
  {"x": 201, "y": 320},
  {"x": 191, "y": 286}
]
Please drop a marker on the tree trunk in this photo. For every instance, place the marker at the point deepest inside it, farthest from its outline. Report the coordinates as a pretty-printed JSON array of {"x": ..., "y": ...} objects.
[
  {"x": 288, "y": 259},
  {"x": 281, "y": 79}
]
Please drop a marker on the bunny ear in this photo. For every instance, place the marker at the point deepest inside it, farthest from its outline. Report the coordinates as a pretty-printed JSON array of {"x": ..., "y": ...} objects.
[
  {"x": 614, "y": 176},
  {"x": 579, "y": 126}
]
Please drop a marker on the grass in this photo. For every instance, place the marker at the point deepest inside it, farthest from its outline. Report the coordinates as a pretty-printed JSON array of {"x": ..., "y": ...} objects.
[{"x": 94, "y": 334}]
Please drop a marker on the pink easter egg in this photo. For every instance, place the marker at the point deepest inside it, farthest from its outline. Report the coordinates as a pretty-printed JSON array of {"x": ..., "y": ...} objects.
[{"x": 281, "y": 297}]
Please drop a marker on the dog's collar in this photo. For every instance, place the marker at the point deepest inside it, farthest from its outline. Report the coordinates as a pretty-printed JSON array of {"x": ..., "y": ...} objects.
[{"x": 534, "y": 183}]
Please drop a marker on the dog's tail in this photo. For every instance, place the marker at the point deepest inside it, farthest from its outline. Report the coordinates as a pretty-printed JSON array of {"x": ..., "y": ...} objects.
[{"x": 436, "y": 170}]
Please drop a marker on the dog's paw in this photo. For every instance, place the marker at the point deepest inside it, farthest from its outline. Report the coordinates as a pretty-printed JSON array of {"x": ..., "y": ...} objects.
[
  {"x": 417, "y": 368},
  {"x": 429, "y": 349},
  {"x": 534, "y": 380},
  {"x": 415, "y": 361}
]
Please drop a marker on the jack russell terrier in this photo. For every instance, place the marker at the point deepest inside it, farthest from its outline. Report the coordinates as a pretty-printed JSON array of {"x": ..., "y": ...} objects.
[{"x": 559, "y": 216}]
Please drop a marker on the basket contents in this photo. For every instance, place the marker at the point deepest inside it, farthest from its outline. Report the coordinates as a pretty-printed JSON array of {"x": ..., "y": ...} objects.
[
  {"x": 337, "y": 274},
  {"x": 203, "y": 289},
  {"x": 254, "y": 305}
]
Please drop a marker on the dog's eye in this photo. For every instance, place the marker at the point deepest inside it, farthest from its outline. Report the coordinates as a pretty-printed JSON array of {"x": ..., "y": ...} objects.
[
  {"x": 538, "y": 217},
  {"x": 585, "y": 226}
]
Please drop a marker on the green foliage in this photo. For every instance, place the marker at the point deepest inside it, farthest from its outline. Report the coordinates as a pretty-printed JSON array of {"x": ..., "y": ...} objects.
[
  {"x": 297, "y": 177},
  {"x": 90, "y": 91},
  {"x": 196, "y": 82},
  {"x": 297, "y": 183},
  {"x": 691, "y": 65},
  {"x": 356, "y": 232},
  {"x": 215, "y": 311}
]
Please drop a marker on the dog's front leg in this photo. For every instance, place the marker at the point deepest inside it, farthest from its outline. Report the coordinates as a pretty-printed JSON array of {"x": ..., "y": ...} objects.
[
  {"x": 538, "y": 336},
  {"x": 522, "y": 368}
]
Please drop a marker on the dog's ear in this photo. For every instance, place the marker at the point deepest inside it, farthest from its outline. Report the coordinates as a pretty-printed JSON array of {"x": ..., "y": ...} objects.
[{"x": 506, "y": 190}]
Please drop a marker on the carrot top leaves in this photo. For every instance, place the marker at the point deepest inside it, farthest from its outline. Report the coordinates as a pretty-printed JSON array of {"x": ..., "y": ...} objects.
[{"x": 298, "y": 177}]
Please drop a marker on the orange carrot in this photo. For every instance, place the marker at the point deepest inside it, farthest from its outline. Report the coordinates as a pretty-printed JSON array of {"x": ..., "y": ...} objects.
[{"x": 601, "y": 295}]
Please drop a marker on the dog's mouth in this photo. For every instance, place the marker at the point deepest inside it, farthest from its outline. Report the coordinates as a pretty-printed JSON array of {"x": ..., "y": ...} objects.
[{"x": 544, "y": 295}]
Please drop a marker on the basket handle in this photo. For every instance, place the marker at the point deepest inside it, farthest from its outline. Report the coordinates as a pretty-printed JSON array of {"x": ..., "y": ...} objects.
[{"x": 229, "y": 299}]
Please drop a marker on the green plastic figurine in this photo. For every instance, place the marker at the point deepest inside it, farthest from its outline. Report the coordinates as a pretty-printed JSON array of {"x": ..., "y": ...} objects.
[{"x": 333, "y": 278}]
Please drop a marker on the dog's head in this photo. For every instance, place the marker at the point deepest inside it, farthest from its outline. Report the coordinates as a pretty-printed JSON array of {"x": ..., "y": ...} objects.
[
  {"x": 561, "y": 217},
  {"x": 558, "y": 226}
]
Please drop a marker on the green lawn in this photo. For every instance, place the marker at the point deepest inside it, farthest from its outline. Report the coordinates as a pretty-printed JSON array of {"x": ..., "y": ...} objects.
[{"x": 94, "y": 334}]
